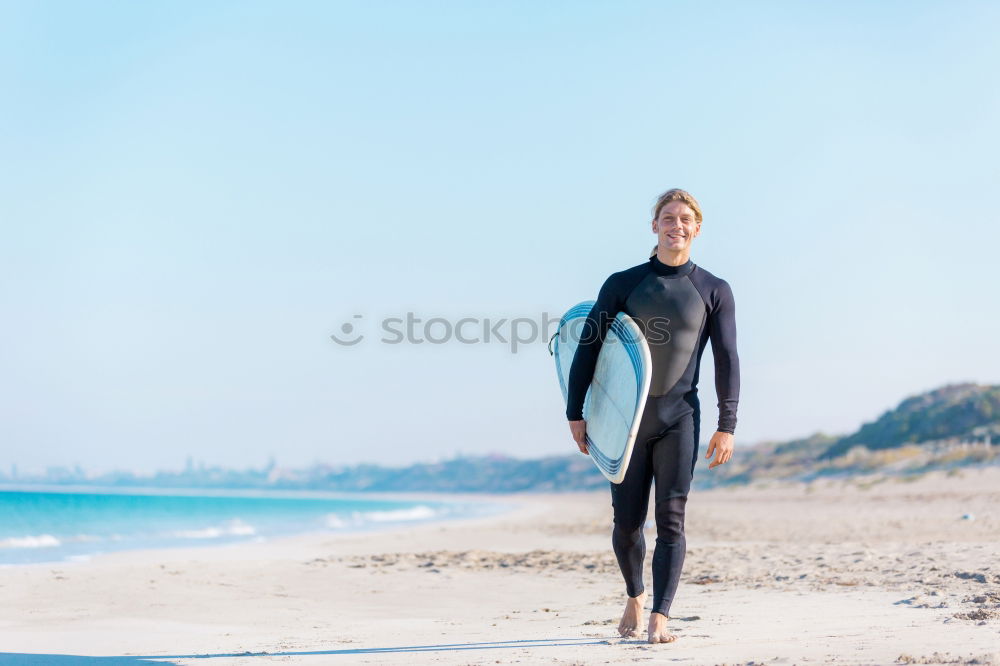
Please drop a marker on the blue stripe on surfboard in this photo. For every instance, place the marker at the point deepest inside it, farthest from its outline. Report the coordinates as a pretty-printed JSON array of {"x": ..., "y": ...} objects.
[
  {"x": 633, "y": 354},
  {"x": 578, "y": 310},
  {"x": 631, "y": 347},
  {"x": 606, "y": 463}
]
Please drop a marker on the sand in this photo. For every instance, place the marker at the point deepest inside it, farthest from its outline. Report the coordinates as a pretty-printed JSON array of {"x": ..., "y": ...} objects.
[{"x": 846, "y": 572}]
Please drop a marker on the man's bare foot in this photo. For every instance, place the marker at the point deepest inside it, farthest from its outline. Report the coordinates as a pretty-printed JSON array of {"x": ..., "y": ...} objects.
[
  {"x": 658, "y": 629},
  {"x": 629, "y": 626}
]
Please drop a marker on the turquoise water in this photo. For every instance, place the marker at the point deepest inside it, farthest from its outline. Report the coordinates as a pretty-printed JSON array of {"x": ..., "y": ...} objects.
[{"x": 58, "y": 524}]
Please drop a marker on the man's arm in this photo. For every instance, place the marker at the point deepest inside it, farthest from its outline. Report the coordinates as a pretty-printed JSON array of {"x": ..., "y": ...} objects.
[
  {"x": 592, "y": 333},
  {"x": 722, "y": 332}
]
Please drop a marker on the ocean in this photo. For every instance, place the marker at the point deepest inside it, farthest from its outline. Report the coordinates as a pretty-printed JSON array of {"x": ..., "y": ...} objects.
[{"x": 74, "y": 524}]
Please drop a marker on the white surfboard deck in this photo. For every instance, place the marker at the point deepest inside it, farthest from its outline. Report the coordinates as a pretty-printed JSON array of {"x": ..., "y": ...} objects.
[{"x": 617, "y": 394}]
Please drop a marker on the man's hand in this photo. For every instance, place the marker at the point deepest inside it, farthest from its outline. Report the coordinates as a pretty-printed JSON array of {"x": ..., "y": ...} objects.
[
  {"x": 579, "y": 430},
  {"x": 722, "y": 446}
]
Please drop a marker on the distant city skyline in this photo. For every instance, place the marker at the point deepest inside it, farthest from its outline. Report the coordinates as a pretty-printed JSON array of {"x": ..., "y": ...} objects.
[{"x": 196, "y": 197}]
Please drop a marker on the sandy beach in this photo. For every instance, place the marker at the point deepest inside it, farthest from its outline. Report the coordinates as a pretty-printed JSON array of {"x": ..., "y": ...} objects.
[{"x": 874, "y": 571}]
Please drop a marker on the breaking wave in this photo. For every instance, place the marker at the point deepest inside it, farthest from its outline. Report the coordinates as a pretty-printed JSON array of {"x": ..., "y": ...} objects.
[
  {"x": 231, "y": 528},
  {"x": 360, "y": 518},
  {"x": 39, "y": 541}
]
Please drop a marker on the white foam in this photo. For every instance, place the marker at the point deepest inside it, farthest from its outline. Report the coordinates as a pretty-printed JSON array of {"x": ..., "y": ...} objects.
[
  {"x": 231, "y": 528},
  {"x": 39, "y": 541},
  {"x": 334, "y": 521},
  {"x": 239, "y": 528},
  {"x": 207, "y": 533},
  {"x": 83, "y": 538},
  {"x": 420, "y": 512}
]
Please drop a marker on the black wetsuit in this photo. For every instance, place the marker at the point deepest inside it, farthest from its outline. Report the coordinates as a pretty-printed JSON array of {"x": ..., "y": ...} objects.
[{"x": 678, "y": 308}]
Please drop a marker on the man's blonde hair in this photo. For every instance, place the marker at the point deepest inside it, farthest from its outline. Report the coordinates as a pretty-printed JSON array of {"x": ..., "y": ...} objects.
[{"x": 677, "y": 194}]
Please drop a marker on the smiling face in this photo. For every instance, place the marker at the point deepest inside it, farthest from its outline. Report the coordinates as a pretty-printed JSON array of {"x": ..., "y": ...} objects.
[{"x": 676, "y": 226}]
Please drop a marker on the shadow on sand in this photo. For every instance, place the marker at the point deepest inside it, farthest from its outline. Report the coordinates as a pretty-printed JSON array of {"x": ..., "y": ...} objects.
[{"x": 22, "y": 659}]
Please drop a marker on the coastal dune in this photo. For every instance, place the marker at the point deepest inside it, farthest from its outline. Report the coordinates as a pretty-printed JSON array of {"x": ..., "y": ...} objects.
[{"x": 878, "y": 570}]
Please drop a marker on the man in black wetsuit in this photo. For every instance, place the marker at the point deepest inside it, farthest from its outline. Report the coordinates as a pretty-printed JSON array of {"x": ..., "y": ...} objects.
[{"x": 680, "y": 307}]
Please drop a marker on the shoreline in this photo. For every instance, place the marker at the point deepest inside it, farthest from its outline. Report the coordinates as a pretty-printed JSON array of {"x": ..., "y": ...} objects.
[
  {"x": 315, "y": 540},
  {"x": 470, "y": 507}
]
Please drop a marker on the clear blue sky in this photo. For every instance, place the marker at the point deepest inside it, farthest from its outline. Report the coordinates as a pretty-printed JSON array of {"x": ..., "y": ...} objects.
[{"x": 195, "y": 195}]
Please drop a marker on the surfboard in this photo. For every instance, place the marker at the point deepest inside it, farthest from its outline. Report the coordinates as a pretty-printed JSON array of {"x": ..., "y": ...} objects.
[{"x": 617, "y": 394}]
